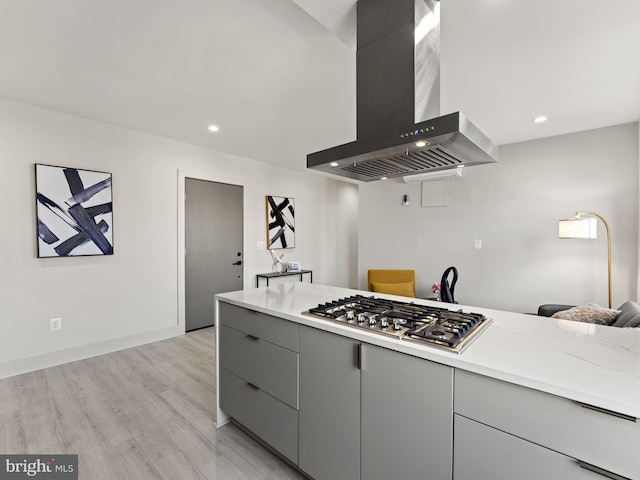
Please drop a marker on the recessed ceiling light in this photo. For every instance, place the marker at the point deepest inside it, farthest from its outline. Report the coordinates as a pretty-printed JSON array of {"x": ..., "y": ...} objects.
[
  {"x": 334, "y": 164},
  {"x": 213, "y": 128},
  {"x": 540, "y": 119},
  {"x": 383, "y": 178},
  {"x": 421, "y": 144}
]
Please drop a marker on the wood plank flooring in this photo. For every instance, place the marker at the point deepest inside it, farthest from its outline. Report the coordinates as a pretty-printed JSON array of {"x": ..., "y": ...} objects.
[{"x": 145, "y": 413}]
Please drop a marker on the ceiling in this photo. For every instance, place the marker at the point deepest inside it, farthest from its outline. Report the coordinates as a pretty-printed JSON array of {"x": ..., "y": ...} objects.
[{"x": 278, "y": 76}]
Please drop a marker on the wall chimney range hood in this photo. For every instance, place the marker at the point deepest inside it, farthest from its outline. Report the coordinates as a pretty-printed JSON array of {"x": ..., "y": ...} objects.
[{"x": 399, "y": 128}]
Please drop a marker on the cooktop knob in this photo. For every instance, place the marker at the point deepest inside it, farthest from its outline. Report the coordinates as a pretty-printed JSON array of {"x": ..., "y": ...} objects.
[
  {"x": 373, "y": 319},
  {"x": 384, "y": 322},
  {"x": 361, "y": 317},
  {"x": 397, "y": 325}
]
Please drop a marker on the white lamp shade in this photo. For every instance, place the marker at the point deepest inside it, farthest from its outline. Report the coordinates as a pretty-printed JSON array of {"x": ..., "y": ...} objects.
[{"x": 584, "y": 228}]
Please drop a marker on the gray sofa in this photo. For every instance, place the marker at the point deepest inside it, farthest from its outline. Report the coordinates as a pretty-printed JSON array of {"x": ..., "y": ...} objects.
[{"x": 628, "y": 317}]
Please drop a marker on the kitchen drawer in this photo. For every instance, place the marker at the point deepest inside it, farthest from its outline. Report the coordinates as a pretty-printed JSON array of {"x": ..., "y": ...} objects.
[
  {"x": 486, "y": 453},
  {"x": 272, "y": 368},
  {"x": 272, "y": 329},
  {"x": 593, "y": 436},
  {"x": 273, "y": 421}
]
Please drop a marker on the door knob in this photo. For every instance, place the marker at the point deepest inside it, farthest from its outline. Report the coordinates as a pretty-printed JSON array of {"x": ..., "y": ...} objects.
[{"x": 239, "y": 262}]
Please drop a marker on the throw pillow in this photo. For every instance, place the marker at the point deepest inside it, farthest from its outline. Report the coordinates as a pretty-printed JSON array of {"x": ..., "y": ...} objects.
[
  {"x": 405, "y": 289},
  {"x": 591, "y": 313}
]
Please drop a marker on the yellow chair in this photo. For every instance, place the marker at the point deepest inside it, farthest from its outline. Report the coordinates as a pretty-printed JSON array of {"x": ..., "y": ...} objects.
[{"x": 395, "y": 282}]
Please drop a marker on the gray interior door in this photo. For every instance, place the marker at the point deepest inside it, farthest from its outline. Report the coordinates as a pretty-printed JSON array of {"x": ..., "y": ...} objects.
[{"x": 213, "y": 240}]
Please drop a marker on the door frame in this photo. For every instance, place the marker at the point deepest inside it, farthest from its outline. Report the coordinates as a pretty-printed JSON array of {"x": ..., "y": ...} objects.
[{"x": 209, "y": 177}]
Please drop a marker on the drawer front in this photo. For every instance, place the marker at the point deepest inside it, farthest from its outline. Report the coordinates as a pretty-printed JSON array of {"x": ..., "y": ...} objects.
[
  {"x": 271, "y": 368},
  {"x": 598, "y": 438},
  {"x": 272, "y": 329},
  {"x": 273, "y": 421},
  {"x": 486, "y": 453}
]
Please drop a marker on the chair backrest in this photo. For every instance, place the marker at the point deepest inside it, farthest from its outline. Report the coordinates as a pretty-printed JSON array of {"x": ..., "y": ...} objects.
[{"x": 396, "y": 282}]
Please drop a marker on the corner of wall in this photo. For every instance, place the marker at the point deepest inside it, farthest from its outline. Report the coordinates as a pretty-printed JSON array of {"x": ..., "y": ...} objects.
[{"x": 638, "y": 200}]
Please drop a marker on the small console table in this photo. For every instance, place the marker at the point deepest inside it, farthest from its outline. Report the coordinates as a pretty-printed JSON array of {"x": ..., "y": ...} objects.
[{"x": 267, "y": 276}]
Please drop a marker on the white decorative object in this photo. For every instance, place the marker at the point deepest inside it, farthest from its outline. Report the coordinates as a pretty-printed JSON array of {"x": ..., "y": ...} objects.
[{"x": 278, "y": 265}]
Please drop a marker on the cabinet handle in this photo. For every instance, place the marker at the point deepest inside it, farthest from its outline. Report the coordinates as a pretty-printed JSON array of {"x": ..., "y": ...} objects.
[
  {"x": 359, "y": 356},
  {"x": 608, "y": 412},
  {"x": 251, "y": 337},
  {"x": 601, "y": 471},
  {"x": 251, "y": 385}
]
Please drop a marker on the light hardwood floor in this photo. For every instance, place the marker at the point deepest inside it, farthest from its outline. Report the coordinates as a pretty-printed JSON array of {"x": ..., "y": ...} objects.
[{"x": 145, "y": 413}]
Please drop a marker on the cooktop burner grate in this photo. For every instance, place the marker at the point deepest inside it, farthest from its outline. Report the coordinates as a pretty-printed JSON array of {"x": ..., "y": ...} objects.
[{"x": 437, "y": 326}]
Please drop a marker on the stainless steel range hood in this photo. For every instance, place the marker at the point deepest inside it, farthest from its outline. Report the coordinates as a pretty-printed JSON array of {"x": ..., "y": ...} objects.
[{"x": 399, "y": 128}]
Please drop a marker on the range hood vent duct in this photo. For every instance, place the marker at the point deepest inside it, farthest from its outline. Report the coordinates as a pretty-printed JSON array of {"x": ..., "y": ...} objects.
[{"x": 399, "y": 130}]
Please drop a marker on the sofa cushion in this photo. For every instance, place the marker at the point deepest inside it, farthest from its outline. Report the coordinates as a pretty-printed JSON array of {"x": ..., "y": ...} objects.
[
  {"x": 629, "y": 316},
  {"x": 549, "y": 309},
  {"x": 591, "y": 313},
  {"x": 406, "y": 289}
]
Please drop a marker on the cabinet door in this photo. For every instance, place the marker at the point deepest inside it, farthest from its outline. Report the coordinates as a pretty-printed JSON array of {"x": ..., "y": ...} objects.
[
  {"x": 557, "y": 423},
  {"x": 329, "y": 417},
  {"x": 407, "y": 417},
  {"x": 483, "y": 452}
]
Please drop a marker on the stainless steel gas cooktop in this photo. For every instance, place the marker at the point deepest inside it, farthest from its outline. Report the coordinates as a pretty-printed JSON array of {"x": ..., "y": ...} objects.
[{"x": 440, "y": 327}]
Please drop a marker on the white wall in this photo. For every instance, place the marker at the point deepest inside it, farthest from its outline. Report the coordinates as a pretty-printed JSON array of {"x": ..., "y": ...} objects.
[
  {"x": 132, "y": 297},
  {"x": 513, "y": 207}
]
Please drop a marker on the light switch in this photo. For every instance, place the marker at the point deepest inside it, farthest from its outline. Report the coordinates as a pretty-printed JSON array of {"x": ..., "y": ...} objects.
[
  {"x": 261, "y": 246},
  {"x": 478, "y": 244}
]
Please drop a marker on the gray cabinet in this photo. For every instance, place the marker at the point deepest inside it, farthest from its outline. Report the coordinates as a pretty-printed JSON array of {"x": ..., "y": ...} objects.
[
  {"x": 329, "y": 406},
  {"x": 483, "y": 452},
  {"x": 371, "y": 413},
  {"x": 266, "y": 365},
  {"x": 407, "y": 417},
  {"x": 584, "y": 435},
  {"x": 259, "y": 375},
  {"x": 270, "y": 419}
]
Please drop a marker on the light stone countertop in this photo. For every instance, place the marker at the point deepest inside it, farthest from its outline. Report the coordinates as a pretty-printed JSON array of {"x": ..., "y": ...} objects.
[{"x": 593, "y": 364}]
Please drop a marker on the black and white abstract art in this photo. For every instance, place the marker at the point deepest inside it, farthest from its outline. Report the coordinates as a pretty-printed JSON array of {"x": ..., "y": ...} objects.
[
  {"x": 281, "y": 230},
  {"x": 74, "y": 212}
]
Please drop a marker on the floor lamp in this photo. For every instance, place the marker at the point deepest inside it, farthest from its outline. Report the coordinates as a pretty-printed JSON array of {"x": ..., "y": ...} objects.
[{"x": 586, "y": 228}]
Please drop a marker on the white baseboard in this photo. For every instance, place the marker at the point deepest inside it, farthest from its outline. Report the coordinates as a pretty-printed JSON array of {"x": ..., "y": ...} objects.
[{"x": 51, "y": 359}]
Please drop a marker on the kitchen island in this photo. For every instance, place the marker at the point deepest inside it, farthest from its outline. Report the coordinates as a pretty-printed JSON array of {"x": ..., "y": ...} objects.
[{"x": 531, "y": 397}]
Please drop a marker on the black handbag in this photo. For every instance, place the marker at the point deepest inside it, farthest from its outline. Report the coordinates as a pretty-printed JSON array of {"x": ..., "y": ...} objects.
[{"x": 446, "y": 288}]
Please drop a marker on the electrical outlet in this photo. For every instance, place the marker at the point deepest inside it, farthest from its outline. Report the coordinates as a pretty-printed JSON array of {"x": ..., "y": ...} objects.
[
  {"x": 55, "y": 323},
  {"x": 478, "y": 244},
  {"x": 261, "y": 245}
]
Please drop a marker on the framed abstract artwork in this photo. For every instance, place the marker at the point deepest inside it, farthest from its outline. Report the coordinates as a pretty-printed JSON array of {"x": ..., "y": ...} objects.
[
  {"x": 74, "y": 210},
  {"x": 281, "y": 230}
]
